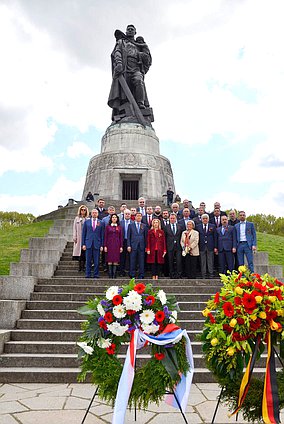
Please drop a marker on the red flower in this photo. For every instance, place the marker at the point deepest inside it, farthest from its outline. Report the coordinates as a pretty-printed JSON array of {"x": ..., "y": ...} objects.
[
  {"x": 228, "y": 309},
  {"x": 159, "y": 316},
  {"x": 217, "y": 297},
  {"x": 102, "y": 324},
  {"x": 108, "y": 317},
  {"x": 130, "y": 312},
  {"x": 150, "y": 299},
  {"x": 249, "y": 301},
  {"x": 238, "y": 300},
  {"x": 240, "y": 321},
  {"x": 227, "y": 328},
  {"x": 211, "y": 317},
  {"x": 159, "y": 356},
  {"x": 111, "y": 349},
  {"x": 254, "y": 325},
  {"x": 161, "y": 328},
  {"x": 270, "y": 314},
  {"x": 117, "y": 299},
  {"x": 140, "y": 288},
  {"x": 239, "y": 276}
]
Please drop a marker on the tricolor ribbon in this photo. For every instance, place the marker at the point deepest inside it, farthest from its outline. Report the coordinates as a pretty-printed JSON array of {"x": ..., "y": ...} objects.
[{"x": 172, "y": 334}]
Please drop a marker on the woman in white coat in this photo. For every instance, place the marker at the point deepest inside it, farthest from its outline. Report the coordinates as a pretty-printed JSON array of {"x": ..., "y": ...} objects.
[
  {"x": 78, "y": 253},
  {"x": 190, "y": 249}
]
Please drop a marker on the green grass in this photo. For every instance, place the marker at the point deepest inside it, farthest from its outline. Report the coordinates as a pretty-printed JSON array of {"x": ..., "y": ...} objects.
[
  {"x": 14, "y": 239},
  {"x": 274, "y": 245}
]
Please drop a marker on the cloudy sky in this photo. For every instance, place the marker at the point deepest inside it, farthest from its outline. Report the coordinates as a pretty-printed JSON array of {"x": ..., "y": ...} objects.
[{"x": 216, "y": 87}]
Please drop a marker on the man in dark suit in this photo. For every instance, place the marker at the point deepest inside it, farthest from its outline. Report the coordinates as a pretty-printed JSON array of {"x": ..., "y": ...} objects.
[
  {"x": 147, "y": 219},
  {"x": 216, "y": 218},
  {"x": 217, "y": 205},
  {"x": 124, "y": 256},
  {"x": 141, "y": 206},
  {"x": 233, "y": 220},
  {"x": 226, "y": 237},
  {"x": 165, "y": 218},
  {"x": 101, "y": 209},
  {"x": 136, "y": 245},
  {"x": 185, "y": 218},
  {"x": 92, "y": 242},
  {"x": 246, "y": 240},
  {"x": 207, "y": 245},
  {"x": 173, "y": 235},
  {"x": 198, "y": 218}
]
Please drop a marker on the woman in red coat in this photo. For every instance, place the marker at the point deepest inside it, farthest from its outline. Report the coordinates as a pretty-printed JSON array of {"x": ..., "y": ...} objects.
[{"x": 156, "y": 248}]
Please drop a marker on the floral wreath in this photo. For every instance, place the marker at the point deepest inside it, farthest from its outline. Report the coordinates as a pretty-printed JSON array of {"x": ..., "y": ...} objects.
[
  {"x": 242, "y": 319},
  {"x": 110, "y": 323}
]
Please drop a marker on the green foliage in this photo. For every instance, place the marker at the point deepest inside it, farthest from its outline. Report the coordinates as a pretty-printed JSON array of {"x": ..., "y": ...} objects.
[
  {"x": 267, "y": 224},
  {"x": 15, "y": 238},
  {"x": 8, "y": 219}
]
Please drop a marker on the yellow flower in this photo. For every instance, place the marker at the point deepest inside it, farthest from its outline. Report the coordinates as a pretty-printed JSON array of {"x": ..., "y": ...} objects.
[
  {"x": 239, "y": 290},
  {"x": 205, "y": 312},
  {"x": 280, "y": 312},
  {"x": 262, "y": 315},
  {"x": 258, "y": 299},
  {"x": 214, "y": 341},
  {"x": 233, "y": 322},
  {"x": 253, "y": 317},
  {"x": 273, "y": 325},
  {"x": 231, "y": 350},
  {"x": 242, "y": 268},
  {"x": 272, "y": 298}
]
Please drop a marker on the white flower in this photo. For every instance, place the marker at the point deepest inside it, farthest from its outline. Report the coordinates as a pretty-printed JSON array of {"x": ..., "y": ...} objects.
[
  {"x": 100, "y": 309},
  {"x": 150, "y": 329},
  {"x": 117, "y": 329},
  {"x": 147, "y": 317},
  {"x": 133, "y": 301},
  {"x": 162, "y": 296},
  {"x": 111, "y": 292},
  {"x": 119, "y": 311},
  {"x": 88, "y": 349},
  {"x": 103, "y": 343},
  {"x": 173, "y": 317}
]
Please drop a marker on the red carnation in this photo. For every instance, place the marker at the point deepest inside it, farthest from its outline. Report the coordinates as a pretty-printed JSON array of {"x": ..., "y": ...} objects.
[
  {"x": 249, "y": 301},
  {"x": 211, "y": 317},
  {"x": 108, "y": 317},
  {"x": 217, "y": 297},
  {"x": 111, "y": 349},
  {"x": 150, "y": 299},
  {"x": 228, "y": 309},
  {"x": 159, "y": 316},
  {"x": 238, "y": 300},
  {"x": 102, "y": 324},
  {"x": 130, "y": 312},
  {"x": 140, "y": 288},
  {"x": 227, "y": 328},
  {"x": 270, "y": 314},
  {"x": 240, "y": 321},
  {"x": 254, "y": 325},
  {"x": 159, "y": 356},
  {"x": 117, "y": 300}
]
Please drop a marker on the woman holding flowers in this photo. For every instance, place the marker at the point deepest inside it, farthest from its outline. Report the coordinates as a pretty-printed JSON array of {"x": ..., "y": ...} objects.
[
  {"x": 113, "y": 243},
  {"x": 156, "y": 248},
  {"x": 78, "y": 253},
  {"x": 189, "y": 243}
]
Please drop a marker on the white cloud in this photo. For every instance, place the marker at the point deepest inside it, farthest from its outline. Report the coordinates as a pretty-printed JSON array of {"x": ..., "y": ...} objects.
[{"x": 77, "y": 149}]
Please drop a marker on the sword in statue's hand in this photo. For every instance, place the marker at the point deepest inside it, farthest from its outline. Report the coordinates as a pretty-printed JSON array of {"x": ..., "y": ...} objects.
[{"x": 131, "y": 100}]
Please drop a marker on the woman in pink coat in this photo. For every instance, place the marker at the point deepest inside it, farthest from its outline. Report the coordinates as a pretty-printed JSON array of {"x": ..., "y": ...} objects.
[
  {"x": 113, "y": 242},
  {"x": 78, "y": 253}
]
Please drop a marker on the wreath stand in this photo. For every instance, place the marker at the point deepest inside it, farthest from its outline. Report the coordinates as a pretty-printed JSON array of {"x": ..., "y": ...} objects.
[
  {"x": 222, "y": 389},
  {"x": 135, "y": 410}
]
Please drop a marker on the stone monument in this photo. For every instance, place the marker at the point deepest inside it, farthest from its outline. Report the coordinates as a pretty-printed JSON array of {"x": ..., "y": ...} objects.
[{"x": 130, "y": 164}]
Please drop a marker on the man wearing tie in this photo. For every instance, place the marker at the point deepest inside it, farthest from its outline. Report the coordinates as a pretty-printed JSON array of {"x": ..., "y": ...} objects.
[
  {"x": 136, "y": 245},
  {"x": 92, "y": 242},
  {"x": 173, "y": 235},
  {"x": 141, "y": 206},
  {"x": 147, "y": 219},
  {"x": 246, "y": 240},
  {"x": 124, "y": 256},
  {"x": 216, "y": 218},
  {"x": 226, "y": 245},
  {"x": 207, "y": 245}
]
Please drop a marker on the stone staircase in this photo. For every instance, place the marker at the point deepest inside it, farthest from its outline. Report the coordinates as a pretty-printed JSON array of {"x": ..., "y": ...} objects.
[{"x": 42, "y": 346}]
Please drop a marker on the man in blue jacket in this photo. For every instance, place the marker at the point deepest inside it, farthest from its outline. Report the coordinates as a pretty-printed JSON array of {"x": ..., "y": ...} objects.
[
  {"x": 207, "y": 245},
  {"x": 246, "y": 240},
  {"x": 136, "y": 245},
  {"x": 226, "y": 236},
  {"x": 92, "y": 242}
]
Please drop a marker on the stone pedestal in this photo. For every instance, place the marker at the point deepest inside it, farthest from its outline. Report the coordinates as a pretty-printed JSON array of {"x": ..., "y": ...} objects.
[{"x": 129, "y": 165}]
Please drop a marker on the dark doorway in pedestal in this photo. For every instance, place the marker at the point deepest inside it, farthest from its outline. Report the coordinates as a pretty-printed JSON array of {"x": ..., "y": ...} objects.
[{"x": 130, "y": 190}]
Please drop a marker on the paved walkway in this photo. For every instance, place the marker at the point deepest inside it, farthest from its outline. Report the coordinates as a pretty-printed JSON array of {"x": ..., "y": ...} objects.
[{"x": 67, "y": 403}]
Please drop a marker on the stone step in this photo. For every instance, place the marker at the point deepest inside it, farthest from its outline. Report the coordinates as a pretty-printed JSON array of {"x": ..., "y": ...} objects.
[
  {"x": 99, "y": 290},
  {"x": 83, "y": 297},
  {"x": 104, "y": 281},
  {"x": 68, "y": 324}
]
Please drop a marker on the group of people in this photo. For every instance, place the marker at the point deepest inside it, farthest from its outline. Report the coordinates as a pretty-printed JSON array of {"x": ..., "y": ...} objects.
[{"x": 178, "y": 242}]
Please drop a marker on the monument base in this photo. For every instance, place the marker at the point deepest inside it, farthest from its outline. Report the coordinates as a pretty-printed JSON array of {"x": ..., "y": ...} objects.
[{"x": 129, "y": 165}]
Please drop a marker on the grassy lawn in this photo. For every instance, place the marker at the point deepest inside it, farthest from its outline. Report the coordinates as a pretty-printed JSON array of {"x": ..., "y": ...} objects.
[
  {"x": 14, "y": 239},
  {"x": 274, "y": 245}
]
